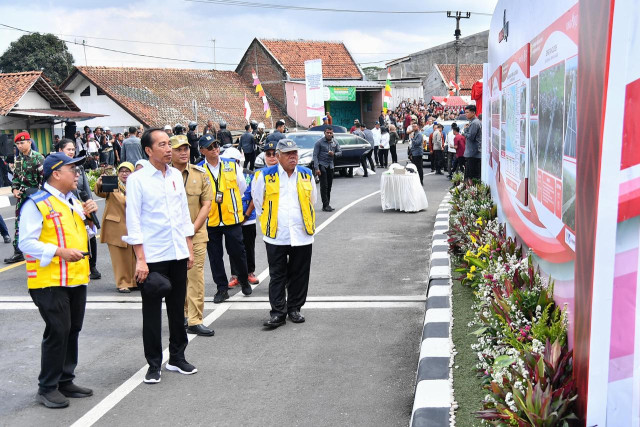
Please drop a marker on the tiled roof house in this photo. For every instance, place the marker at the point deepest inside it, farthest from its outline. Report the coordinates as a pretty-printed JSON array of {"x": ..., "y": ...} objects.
[{"x": 165, "y": 96}]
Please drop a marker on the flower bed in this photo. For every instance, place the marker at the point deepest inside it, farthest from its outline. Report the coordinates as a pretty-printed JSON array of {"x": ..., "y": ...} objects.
[{"x": 523, "y": 358}]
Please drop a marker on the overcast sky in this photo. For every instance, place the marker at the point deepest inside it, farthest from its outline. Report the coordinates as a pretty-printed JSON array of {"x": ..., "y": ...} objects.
[{"x": 372, "y": 38}]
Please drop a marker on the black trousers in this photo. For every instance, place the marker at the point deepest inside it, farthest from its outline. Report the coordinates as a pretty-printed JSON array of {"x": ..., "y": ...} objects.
[
  {"x": 62, "y": 310},
  {"x": 288, "y": 264},
  {"x": 383, "y": 154},
  {"x": 176, "y": 271},
  {"x": 249, "y": 159},
  {"x": 375, "y": 155},
  {"x": 249, "y": 240},
  {"x": 417, "y": 160},
  {"x": 366, "y": 157},
  {"x": 438, "y": 159},
  {"x": 93, "y": 247},
  {"x": 451, "y": 160},
  {"x": 326, "y": 182},
  {"x": 472, "y": 168},
  {"x": 235, "y": 248},
  {"x": 394, "y": 155}
]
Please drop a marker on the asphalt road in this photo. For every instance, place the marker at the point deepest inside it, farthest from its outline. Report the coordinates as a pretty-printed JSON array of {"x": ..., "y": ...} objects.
[{"x": 352, "y": 363}]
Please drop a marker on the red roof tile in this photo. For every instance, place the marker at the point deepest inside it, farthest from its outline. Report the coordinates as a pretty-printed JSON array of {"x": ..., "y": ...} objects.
[
  {"x": 14, "y": 85},
  {"x": 161, "y": 96},
  {"x": 337, "y": 62},
  {"x": 469, "y": 74}
]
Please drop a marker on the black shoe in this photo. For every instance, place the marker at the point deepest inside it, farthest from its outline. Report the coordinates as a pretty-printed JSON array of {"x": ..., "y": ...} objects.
[
  {"x": 328, "y": 209},
  {"x": 201, "y": 330},
  {"x": 220, "y": 296},
  {"x": 52, "y": 399},
  {"x": 439, "y": 173},
  {"x": 296, "y": 317},
  {"x": 16, "y": 257},
  {"x": 7, "y": 239},
  {"x": 184, "y": 367},
  {"x": 275, "y": 321},
  {"x": 246, "y": 288},
  {"x": 72, "y": 390},
  {"x": 95, "y": 274},
  {"x": 186, "y": 323},
  {"x": 152, "y": 376}
]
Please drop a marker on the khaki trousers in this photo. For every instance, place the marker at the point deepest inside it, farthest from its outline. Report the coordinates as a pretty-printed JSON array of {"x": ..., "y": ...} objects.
[
  {"x": 123, "y": 261},
  {"x": 194, "y": 302}
]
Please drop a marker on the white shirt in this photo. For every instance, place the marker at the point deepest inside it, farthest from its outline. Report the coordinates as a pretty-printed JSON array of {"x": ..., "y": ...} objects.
[
  {"x": 215, "y": 171},
  {"x": 384, "y": 141},
  {"x": 291, "y": 229},
  {"x": 376, "y": 136},
  {"x": 450, "y": 144},
  {"x": 157, "y": 214},
  {"x": 31, "y": 227},
  {"x": 93, "y": 146}
]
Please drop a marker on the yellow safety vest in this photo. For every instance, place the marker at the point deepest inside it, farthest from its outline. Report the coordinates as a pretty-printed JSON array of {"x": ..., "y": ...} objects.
[
  {"x": 228, "y": 212},
  {"x": 269, "y": 216},
  {"x": 65, "y": 228}
]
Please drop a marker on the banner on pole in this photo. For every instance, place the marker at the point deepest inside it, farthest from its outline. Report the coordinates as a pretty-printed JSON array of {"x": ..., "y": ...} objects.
[{"x": 313, "y": 84}]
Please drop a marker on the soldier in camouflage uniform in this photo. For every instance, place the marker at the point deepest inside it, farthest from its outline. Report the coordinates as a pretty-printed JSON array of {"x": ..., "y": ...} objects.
[{"x": 27, "y": 175}]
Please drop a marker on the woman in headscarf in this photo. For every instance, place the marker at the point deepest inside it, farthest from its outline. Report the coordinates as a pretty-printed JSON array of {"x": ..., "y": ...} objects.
[{"x": 114, "y": 226}]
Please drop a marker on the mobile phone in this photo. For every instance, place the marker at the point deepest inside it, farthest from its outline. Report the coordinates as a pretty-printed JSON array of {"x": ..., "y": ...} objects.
[{"x": 85, "y": 253}]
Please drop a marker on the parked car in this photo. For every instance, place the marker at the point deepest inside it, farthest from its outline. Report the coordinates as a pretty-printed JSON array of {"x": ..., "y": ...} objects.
[
  {"x": 353, "y": 148},
  {"x": 426, "y": 156}
]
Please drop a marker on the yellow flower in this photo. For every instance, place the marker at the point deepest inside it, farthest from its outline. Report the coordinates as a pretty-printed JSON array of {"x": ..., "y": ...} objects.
[
  {"x": 479, "y": 221},
  {"x": 473, "y": 239},
  {"x": 473, "y": 268},
  {"x": 468, "y": 254},
  {"x": 469, "y": 276}
]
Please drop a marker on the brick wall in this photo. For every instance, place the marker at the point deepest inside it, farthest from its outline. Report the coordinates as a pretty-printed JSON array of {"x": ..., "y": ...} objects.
[{"x": 271, "y": 75}]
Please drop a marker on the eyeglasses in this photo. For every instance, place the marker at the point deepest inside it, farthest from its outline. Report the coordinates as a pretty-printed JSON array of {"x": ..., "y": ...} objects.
[
  {"x": 270, "y": 153},
  {"x": 124, "y": 171}
]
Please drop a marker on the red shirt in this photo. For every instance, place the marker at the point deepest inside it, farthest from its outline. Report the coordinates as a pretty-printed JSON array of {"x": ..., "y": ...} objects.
[{"x": 460, "y": 141}]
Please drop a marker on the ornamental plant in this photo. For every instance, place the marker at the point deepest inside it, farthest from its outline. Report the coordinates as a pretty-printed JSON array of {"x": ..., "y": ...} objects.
[{"x": 522, "y": 351}]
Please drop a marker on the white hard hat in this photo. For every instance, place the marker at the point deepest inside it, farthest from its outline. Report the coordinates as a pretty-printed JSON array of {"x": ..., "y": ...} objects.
[
  {"x": 260, "y": 125},
  {"x": 233, "y": 153},
  {"x": 106, "y": 128},
  {"x": 167, "y": 127}
]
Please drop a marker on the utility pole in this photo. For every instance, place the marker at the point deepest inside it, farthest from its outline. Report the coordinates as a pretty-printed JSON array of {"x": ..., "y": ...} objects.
[
  {"x": 85, "y": 52},
  {"x": 214, "y": 53},
  {"x": 458, "y": 15}
]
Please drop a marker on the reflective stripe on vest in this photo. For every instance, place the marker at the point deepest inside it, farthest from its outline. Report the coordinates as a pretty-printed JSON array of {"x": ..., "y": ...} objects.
[
  {"x": 228, "y": 212},
  {"x": 269, "y": 216},
  {"x": 65, "y": 228}
]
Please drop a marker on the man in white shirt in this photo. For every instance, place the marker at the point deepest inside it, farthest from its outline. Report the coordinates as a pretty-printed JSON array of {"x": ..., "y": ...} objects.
[
  {"x": 160, "y": 230},
  {"x": 286, "y": 193},
  {"x": 54, "y": 240},
  {"x": 451, "y": 151},
  {"x": 377, "y": 136}
]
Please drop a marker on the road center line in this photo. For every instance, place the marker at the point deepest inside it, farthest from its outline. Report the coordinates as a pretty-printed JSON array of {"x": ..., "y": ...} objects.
[{"x": 104, "y": 406}]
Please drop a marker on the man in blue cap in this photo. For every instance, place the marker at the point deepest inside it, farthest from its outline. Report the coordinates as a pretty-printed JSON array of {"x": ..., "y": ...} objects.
[
  {"x": 225, "y": 217},
  {"x": 54, "y": 232}
]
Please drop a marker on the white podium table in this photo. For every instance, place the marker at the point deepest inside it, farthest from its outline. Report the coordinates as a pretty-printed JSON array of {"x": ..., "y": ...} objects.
[{"x": 402, "y": 192}]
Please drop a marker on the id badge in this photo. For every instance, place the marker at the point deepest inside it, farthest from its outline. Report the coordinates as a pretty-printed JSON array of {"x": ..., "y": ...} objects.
[{"x": 219, "y": 195}]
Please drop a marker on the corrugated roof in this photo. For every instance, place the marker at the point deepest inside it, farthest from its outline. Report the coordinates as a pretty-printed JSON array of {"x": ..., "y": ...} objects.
[
  {"x": 160, "y": 96},
  {"x": 337, "y": 62},
  {"x": 363, "y": 84}
]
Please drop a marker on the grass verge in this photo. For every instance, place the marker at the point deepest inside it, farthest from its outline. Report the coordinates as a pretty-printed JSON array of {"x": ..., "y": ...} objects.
[{"x": 467, "y": 386}]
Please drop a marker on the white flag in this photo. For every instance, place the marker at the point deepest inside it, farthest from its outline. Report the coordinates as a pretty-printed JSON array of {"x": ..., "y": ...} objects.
[{"x": 247, "y": 109}]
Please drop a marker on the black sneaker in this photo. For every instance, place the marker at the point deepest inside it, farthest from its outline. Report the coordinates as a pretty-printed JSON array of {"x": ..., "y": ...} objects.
[
  {"x": 73, "y": 390},
  {"x": 95, "y": 274},
  {"x": 153, "y": 376},
  {"x": 220, "y": 296},
  {"x": 7, "y": 239},
  {"x": 182, "y": 366},
  {"x": 52, "y": 399},
  {"x": 246, "y": 288}
]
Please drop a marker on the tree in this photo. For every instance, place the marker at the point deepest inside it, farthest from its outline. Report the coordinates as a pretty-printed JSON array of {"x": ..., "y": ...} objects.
[
  {"x": 35, "y": 52},
  {"x": 372, "y": 72}
]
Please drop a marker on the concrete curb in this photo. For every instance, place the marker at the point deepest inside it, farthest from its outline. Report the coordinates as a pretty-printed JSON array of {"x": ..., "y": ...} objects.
[{"x": 433, "y": 400}]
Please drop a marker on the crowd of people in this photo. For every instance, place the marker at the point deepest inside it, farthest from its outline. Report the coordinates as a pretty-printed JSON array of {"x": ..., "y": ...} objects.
[
  {"x": 159, "y": 240},
  {"x": 204, "y": 204}
]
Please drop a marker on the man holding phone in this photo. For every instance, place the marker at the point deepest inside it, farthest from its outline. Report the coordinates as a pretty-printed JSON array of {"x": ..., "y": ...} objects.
[
  {"x": 324, "y": 152},
  {"x": 54, "y": 235}
]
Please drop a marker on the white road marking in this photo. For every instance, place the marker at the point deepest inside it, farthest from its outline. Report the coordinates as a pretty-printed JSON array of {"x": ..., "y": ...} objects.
[
  {"x": 128, "y": 386},
  {"x": 334, "y": 305}
]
